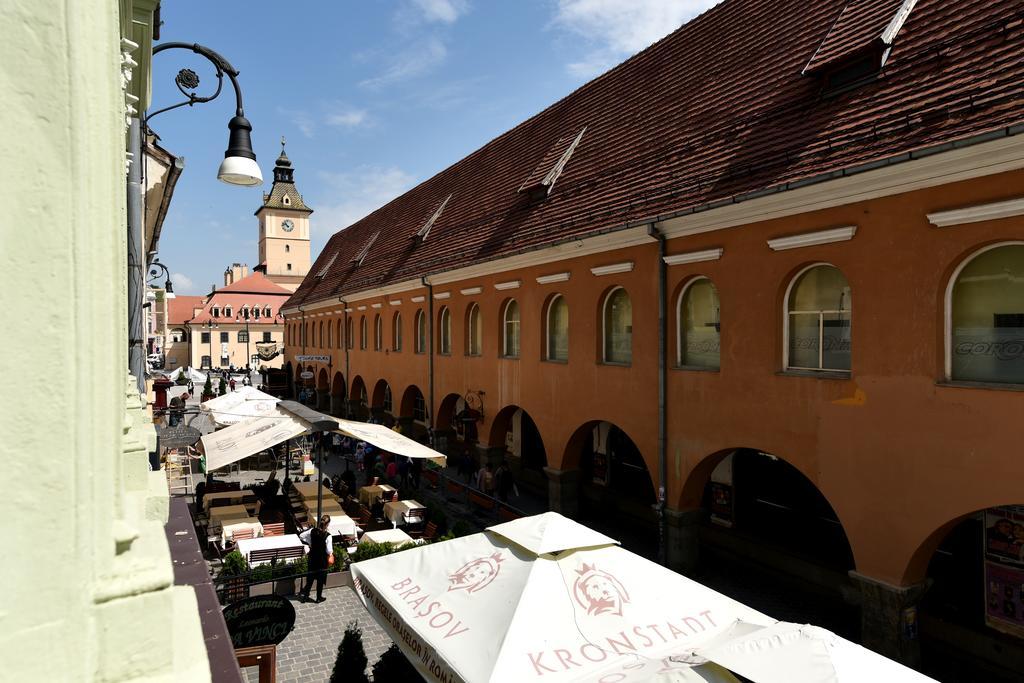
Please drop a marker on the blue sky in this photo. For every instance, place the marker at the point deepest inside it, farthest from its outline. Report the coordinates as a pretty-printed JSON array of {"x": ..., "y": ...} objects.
[{"x": 373, "y": 98}]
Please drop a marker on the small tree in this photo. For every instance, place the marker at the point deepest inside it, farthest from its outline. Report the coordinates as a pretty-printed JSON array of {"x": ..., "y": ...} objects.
[
  {"x": 223, "y": 388},
  {"x": 208, "y": 387},
  {"x": 350, "y": 666},
  {"x": 394, "y": 667}
]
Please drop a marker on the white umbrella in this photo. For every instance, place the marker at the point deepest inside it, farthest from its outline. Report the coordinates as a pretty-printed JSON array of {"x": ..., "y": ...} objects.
[
  {"x": 242, "y": 404},
  {"x": 545, "y": 598}
]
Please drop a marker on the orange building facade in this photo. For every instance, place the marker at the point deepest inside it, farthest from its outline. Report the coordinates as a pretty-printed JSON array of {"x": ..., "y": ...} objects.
[{"x": 824, "y": 375}]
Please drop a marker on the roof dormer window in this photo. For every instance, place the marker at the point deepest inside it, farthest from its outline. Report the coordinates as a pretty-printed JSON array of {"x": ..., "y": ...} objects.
[
  {"x": 541, "y": 180},
  {"x": 858, "y": 44},
  {"x": 327, "y": 267},
  {"x": 361, "y": 256},
  {"x": 286, "y": 200},
  {"x": 425, "y": 230}
]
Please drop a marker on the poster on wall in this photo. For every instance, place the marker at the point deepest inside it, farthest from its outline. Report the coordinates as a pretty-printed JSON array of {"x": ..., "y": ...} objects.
[
  {"x": 1004, "y": 569},
  {"x": 722, "y": 501}
]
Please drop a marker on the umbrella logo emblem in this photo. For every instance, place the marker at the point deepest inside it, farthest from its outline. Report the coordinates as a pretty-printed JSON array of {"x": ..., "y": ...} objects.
[
  {"x": 476, "y": 574},
  {"x": 599, "y": 592}
]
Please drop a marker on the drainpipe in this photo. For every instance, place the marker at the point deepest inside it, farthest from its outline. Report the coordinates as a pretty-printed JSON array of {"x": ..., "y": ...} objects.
[
  {"x": 344, "y": 343},
  {"x": 430, "y": 358},
  {"x": 136, "y": 260},
  {"x": 653, "y": 231}
]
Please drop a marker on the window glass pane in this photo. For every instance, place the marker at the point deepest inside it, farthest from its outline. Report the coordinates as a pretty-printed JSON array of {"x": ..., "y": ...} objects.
[
  {"x": 421, "y": 332},
  {"x": 618, "y": 328},
  {"x": 362, "y": 333},
  {"x": 224, "y": 336},
  {"x": 475, "y": 330},
  {"x": 267, "y": 336},
  {"x": 398, "y": 332},
  {"x": 378, "y": 333},
  {"x": 820, "y": 306},
  {"x": 204, "y": 338},
  {"x": 558, "y": 330},
  {"x": 700, "y": 326},
  {"x": 512, "y": 329},
  {"x": 988, "y": 318},
  {"x": 446, "y": 331}
]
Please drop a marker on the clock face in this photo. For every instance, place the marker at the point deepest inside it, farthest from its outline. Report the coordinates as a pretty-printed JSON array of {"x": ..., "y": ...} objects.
[{"x": 287, "y": 225}]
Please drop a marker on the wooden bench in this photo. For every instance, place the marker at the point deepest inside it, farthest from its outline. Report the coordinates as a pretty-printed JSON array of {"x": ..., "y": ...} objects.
[
  {"x": 485, "y": 503},
  {"x": 273, "y": 529},
  {"x": 271, "y": 554}
]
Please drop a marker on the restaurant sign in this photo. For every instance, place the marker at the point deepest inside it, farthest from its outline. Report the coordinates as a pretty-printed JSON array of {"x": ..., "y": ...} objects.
[
  {"x": 1004, "y": 569},
  {"x": 313, "y": 359},
  {"x": 261, "y": 620}
]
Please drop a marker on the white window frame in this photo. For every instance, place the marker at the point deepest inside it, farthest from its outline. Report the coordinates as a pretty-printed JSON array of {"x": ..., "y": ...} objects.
[
  {"x": 378, "y": 333},
  {"x": 444, "y": 329},
  {"x": 821, "y": 327},
  {"x": 396, "y": 331},
  {"x": 363, "y": 333},
  {"x": 604, "y": 327},
  {"x": 504, "y": 330},
  {"x": 679, "y": 322},
  {"x": 420, "y": 344},
  {"x": 948, "y": 326},
  {"x": 470, "y": 329},
  {"x": 547, "y": 331}
]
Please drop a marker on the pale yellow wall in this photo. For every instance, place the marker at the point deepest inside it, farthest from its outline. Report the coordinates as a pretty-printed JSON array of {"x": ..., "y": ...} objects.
[
  {"x": 236, "y": 349},
  {"x": 87, "y": 578},
  {"x": 273, "y": 240}
]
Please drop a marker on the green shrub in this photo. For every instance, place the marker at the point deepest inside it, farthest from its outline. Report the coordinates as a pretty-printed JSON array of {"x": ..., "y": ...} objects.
[
  {"x": 340, "y": 559},
  {"x": 233, "y": 564},
  {"x": 262, "y": 572},
  {"x": 350, "y": 666},
  {"x": 368, "y": 550},
  {"x": 393, "y": 667},
  {"x": 222, "y": 388},
  {"x": 438, "y": 517},
  {"x": 462, "y": 528},
  {"x": 208, "y": 387}
]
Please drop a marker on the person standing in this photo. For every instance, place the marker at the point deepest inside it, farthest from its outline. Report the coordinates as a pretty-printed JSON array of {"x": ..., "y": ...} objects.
[{"x": 321, "y": 556}]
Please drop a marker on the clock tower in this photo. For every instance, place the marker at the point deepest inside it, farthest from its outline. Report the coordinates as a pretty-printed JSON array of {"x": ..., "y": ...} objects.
[{"x": 284, "y": 229}]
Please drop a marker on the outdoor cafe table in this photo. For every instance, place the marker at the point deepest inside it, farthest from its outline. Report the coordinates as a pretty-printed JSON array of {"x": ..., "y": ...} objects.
[
  {"x": 247, "y": 545},
  {"x": 331, "y": 506},
  {"x": 368, "y": 495},
  {"x": 396, "y": 536},
  {"x": 341, "y": 525},
  {"x": 236, "y": 497},
  {"x": 396, "y": 510},
  {"x": 307, "y": 489},
  {"x": 230, "y": 526},
  {"x": 219, "y": 514}
]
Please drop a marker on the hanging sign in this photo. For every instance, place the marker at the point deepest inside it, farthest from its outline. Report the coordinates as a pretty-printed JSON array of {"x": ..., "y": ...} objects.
[
  {"x": 261, "y": 620},
  {"x": 1004, "y": 569},
  {"x": 266, "y": 350},
  {"x": 306, "y": 374},
  {"x": 313, "y": 359}
]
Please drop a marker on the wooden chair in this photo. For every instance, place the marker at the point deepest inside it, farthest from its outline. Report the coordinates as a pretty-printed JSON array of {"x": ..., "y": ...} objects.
[
  {"x": 364, "y": 517},
  {"x": 388, "y": 496},
  {"x": 242, "y": 535},
  {"x": 428, "y": 534},
  {"x": 273, "y": 529}
]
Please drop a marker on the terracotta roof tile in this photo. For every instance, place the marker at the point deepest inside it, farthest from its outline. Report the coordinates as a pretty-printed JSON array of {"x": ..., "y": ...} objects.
[
  {"x": 717, "y": 109},
  {"x": 256, "y": 283},
  {"x": 181, "y": 308}
]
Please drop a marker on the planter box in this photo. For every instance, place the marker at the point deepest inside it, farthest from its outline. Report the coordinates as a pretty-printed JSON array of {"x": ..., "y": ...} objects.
[
  {"x": 337, "y": 579},
  {"x": 261, "y": 589},
  {"x": 286, "y": 587}
]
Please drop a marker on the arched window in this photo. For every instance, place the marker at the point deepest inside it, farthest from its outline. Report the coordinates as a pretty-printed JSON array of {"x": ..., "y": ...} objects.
[
  {"x": 557, "y": 325},
  {"x": 378, "y": 333},
  {"x": 510, "y": 329},
  {"x": 421, "y": 332},
  {"x": 444, "y": 331},
  {"x": 698, "y": 326},
  {"x": 349, "y": 337},
  {"x": 320, "y": 341},
  {"x": 618, "y": 327},
  {"x": 985, "y": 313},
  {"x": 396, "y": 332},
  {"x": 339, "y": 337},
  {"x": 287, "y": 248},
  {"x": 305, "y": 333},
  {"x": 387, "y": 404},
  {"x": 474, "y": 331},
  {"x": 177, "y": 335},
  {"x": 362, "y": 332},
  {"x": 818, "y": 320}
]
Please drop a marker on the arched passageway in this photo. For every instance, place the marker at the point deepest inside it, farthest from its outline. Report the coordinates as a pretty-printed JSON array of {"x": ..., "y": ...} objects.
[
  {"x": 413, "y": 414},
  {"x": 615, "y": 493},
  {"x": 454, "y": 428},
  {"x": 338, "y": 395},
  {"x": 323, "y": 393},
  {"x": 515, "y": 438},
  {"x": 358, "y": 403},
  {"x": 382, "y": 404}
]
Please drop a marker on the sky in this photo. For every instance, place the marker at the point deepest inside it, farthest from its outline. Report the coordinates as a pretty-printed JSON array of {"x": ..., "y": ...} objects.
[{"x": 372, "y": 97}]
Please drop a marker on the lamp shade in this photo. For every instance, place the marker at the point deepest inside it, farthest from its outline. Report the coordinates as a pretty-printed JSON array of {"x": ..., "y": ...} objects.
[{"x": 239, "y": 166}]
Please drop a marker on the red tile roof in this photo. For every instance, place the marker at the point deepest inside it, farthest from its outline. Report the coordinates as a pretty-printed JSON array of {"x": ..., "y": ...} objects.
[
  {"x": 257, "y": 283},
  {"x": 180, "y": 309},
  {"x": 222, "y": 299},
  {"x": 858, "y": 28},
  {"x": 716, "y": 110}
]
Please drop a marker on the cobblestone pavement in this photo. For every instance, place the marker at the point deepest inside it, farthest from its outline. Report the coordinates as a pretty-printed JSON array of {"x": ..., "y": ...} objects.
[{"x": 307, "y": 655}]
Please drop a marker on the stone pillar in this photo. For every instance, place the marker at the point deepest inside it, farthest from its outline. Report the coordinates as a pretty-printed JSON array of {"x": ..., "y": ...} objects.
[
  {"x": 355, "y": 409},
  {"x": 323, "y": 399},
  {"x": 889, "y": 619},
  {"x": 682, "y": 528},
  {"x": 563, "y": 491}
]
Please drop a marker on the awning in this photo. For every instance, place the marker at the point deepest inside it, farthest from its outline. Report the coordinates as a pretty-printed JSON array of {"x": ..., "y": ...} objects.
[
  {"x": 234, "y": 407},
  {"x": 389, "y": 440}
]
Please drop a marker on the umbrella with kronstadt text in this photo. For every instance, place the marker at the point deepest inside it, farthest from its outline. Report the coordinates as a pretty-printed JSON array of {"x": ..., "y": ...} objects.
[{"x": 547, "y": 599}]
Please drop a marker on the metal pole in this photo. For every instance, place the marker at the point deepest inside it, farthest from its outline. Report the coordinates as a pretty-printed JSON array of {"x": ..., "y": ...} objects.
[
  {"x": 348, "y": 378},
  {"x": 430, "y": 360},
  {"x": 319, "y": 478},
  {"x": 136, "y": 259},
  {"x": 662, "y": 408}
]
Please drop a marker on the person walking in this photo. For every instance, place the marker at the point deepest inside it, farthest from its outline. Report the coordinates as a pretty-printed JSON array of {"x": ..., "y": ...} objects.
[
  {"x": 321, "y": 556},
  {"x": 231, "y": 384}
]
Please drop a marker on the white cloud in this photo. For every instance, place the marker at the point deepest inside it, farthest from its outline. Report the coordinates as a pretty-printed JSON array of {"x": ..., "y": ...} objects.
[
  {"x": 414, "y": 61},
  {"x": 301, "y": 120},
  {"x": 615, "y": 29},
  {"x": 347, "y": 117},
  {"x": 360, "y": 192},
  {"x": 182, "y": 283},
  {"x": 444, "y": 11}
]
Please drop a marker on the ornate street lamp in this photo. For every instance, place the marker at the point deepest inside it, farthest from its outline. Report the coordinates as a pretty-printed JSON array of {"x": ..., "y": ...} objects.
[
  {"x": 239, "y": 166},
  {"x": 155, "y": 269}
]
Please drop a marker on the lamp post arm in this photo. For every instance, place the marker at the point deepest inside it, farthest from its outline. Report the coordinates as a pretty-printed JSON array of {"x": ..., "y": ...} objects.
[{"x": 188, "y": 80}]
